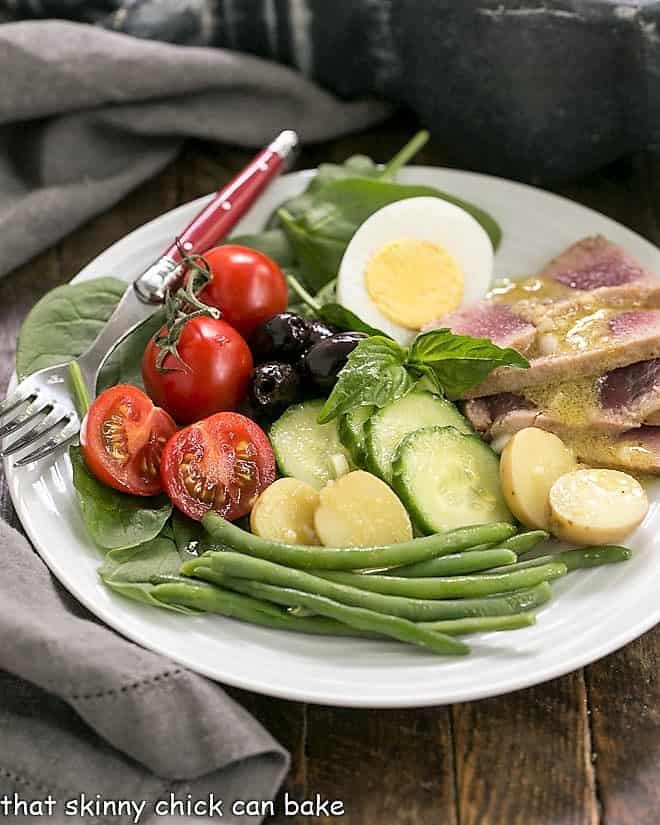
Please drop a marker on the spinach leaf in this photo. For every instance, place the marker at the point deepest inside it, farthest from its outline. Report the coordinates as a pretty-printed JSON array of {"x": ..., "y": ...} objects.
[
  {"x": 190, "y": 537},
  {"x": 344, "y": 319},
  {"x": 458, "y": 362},
  {"x": 114, "y": 519},
  {"x": 321, "y": 234},
  {"x": 272, "y": 242},
  {"x": 125, "y": 364},
  {"x": 146, "y": 593},
  {"x": 136, "y": 572},
  {"x": 375, "y": 374},
  {"x": 65, "y": 322}
]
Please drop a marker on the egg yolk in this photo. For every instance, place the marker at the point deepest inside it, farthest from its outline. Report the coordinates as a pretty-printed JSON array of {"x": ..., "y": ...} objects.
[{"x": 414, "y": 282}]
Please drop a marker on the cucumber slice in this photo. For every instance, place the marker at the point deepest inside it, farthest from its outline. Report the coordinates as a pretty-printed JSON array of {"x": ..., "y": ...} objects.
[
  {"x": 448, "y": 479},
  {"x": 303, "y": 447},
  {"x": 387, "y": 428},
  {"x": 351, "y": 432}
]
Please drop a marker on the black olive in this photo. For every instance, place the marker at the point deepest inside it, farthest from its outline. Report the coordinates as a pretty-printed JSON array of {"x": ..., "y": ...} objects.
[
  {"x": 273, "y": 387},
  {"x": 324, "y": 360},
  {"x": 283, "y": 338},
  {"x": 319, "y": 331}
]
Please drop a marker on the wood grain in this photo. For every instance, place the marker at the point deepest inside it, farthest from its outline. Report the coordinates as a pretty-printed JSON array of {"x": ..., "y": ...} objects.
[
  {"x": 624, "y": 701},
  {"x": 525, "y": 758},
  {"x": 389, "y": 767}
]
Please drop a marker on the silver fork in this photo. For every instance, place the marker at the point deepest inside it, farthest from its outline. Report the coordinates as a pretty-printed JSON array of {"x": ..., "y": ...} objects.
[{"x": 41, "y": 410}]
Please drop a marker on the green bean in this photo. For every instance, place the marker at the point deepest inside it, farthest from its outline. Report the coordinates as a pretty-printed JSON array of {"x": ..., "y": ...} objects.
[
  {"x": 470, "y": 561},
  {"x": 214, "y": 599},
  {"x": 355, "y": 617},
  {"x": 449, "y": 587},
  {"x": 524, "y": 542},
  {"x": 481, "y": 624},
  {"x": 417, "y": 610},
  {"x": 581, "y": 557},
  {"x": 352, "y": 558}
]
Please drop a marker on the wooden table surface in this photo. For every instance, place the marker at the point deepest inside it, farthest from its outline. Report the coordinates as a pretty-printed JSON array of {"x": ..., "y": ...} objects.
[{"x": 580, "y": 750}]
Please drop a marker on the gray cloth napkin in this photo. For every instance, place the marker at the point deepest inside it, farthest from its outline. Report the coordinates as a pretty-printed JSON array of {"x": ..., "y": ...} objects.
[
  {"x": 87, "y": 114},
  {"x": 85, "y": 712}
]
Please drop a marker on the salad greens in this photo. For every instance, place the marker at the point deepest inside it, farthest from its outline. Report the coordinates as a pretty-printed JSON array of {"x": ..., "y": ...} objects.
[
  {"x": 114, "y": 519},
  {"x": 379, "y": 370},
  {"x": 73, "y": 316}
]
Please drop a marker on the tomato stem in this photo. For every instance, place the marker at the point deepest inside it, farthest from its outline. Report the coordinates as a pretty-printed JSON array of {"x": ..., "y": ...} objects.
[{"x": 80, "y": 393}]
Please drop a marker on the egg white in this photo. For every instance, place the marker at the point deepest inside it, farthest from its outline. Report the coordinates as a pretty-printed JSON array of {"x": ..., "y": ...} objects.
[{"x": 425, "y": 219}]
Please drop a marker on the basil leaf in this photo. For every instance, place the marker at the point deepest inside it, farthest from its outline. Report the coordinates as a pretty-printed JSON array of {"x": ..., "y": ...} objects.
[
  {"x": 344, "y": 319},
  {"x": 65, "y": 322},
  {"x": 459, "y": 362},
  {"x": 114, "y": 519},
  {"x": 375, "y": 374}
]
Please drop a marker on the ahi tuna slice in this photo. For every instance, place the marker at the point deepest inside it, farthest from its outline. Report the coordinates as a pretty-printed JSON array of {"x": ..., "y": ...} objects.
[
  {"x": 632, "y": 394},
  {"x": 489, "y": 320},
  {"x": 629, "y": 337},
  {"x": 594, "y": 263}
]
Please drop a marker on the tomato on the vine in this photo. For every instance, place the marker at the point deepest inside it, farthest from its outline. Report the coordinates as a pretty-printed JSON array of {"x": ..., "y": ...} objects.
[
  {"x": 122, "y": 439},
  {"x": 211, "y": 373},
  {"x": 247, "y": 286},
  {"x": 220, "y": 464}
]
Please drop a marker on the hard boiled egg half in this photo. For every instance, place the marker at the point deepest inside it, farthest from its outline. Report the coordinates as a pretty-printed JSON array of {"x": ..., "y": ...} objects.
[{"x": 412, "y": 262}]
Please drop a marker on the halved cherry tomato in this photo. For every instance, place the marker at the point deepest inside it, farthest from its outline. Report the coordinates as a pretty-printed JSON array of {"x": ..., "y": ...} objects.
[
  {"x": 219, "y": 464},
  {"x": 122, "y": 439},
  {"x": 212, "y": 374},
  {"x": 248, "y": 287}
]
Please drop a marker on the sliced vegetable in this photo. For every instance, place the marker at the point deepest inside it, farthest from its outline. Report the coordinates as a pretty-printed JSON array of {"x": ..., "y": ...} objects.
[
  {"x": 303, "y": 446},
  {"x": 360, "y": 510},
  {"x": 220, "y": 464},
  {"x": 225, "y": 533},
  {"x": 530, "y": 464},
  {"x": 448, "y": 479},
  {"x": 122, "y": 439},
  {"x": 285, "y": 512},
  {"x": 208, "y": 374},
  {"x": 387, "y": 428},
  {"x": 596, "y": 506},
  {"x": 112, "y": 519}
]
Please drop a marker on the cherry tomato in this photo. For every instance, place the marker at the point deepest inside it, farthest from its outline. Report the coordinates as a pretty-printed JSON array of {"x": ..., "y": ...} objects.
[
  {"x": 248, "y": 287},
  {"x": 220, "y": 464},
  {"x": 122, "y": 439},
  {"x": 212, "y": 374}
]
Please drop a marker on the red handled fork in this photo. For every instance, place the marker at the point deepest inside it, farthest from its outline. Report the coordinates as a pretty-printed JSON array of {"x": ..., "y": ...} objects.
[{"x": 43, "y": 402}]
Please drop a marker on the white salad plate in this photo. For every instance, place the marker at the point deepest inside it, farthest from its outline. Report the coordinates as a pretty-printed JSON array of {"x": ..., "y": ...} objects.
[{"x": 592, "y": 613}]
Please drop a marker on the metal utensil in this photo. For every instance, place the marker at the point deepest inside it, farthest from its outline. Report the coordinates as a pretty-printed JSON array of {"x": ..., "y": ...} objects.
[{"x": 41, "y": 410}]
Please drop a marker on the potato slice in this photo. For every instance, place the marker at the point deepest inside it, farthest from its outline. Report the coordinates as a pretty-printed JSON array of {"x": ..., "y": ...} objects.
[
  {"x": 596, "y": 506},
  {"x": 285, "y": 512},
  {"x": 530, "y": 464},
  {"x": 360, "y": 510}
]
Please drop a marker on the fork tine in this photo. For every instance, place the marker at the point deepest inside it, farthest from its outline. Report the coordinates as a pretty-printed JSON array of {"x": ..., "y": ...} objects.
[
  {"x": 50, "y": 446},
  {"x": 30, "y": 414},
  {"x": 32, "y": 435},
  {"x": 11, "y": 402}
]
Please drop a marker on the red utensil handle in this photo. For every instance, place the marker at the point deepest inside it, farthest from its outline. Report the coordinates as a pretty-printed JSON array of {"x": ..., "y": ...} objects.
[{"x": 218, "y": 217}]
